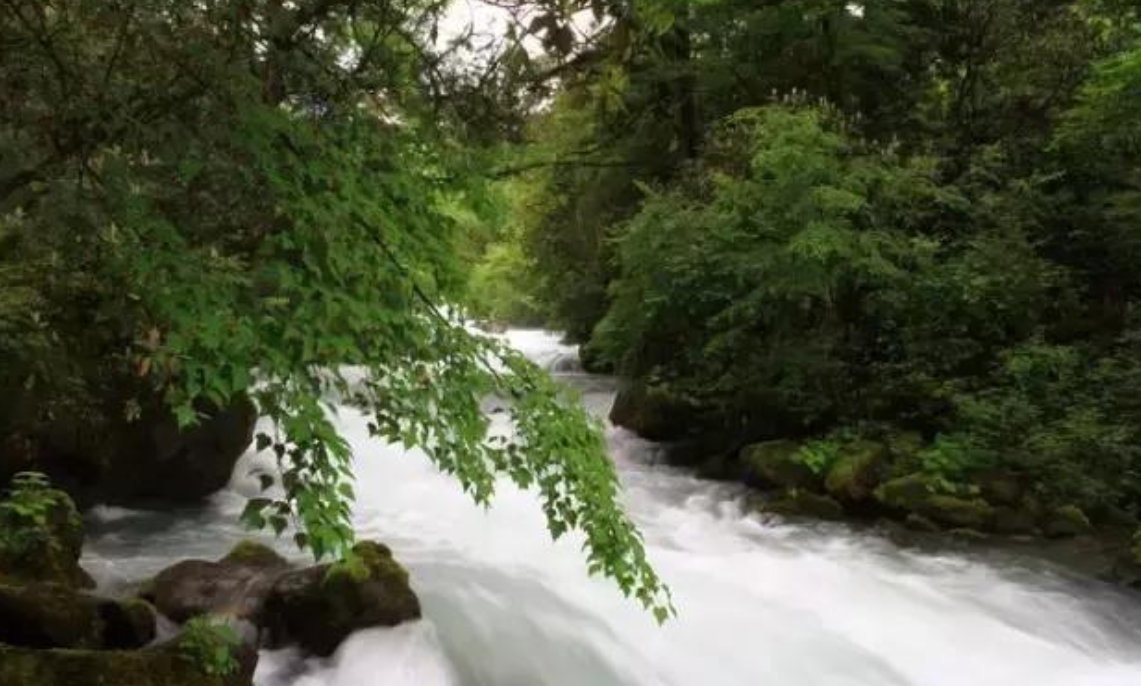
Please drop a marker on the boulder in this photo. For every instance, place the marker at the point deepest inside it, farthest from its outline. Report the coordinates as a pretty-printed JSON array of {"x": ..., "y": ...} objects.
[
  {"x": 1000, "y": 486},
  {"x": 128, "y": 623},
  {"x": 104, "y": 457},
  {"x": 801, "y": 503},
  {"x": 916, "y": 493},
  {"x": 47, "y": 615},
  {"x": 160, "y": 461},
  {"x": 961, "y": 513},
  {"x": 653, "y": 412},
  {"x": 861, "y": 467},
  {"x": 1015, "y": 521},
  {"x": 236, "y": 585},
  {"x": 592, "y": 359},
  {"x": 41, "y": 549},
  {"x": 167, "y": 665},
  {"x": 917, "y": 522},
  {"x": 319, "y": 607},
  {"x": 1065, "y": 522},
  {"x": 776, "y": 464}
]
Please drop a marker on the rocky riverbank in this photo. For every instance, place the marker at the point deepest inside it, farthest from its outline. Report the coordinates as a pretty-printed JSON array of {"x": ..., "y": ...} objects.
[
  {"x": 54, "y": 630},
  {"x": 878, "y": 480}
]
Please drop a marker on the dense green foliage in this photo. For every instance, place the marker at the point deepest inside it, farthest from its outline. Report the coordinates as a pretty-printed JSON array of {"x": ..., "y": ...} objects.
[
  {"x": 25, "y": 515},
  {"x": 831, "y": 219},
  {"x": 210, "y": 645},
  {"x": 210, "y": 199}
]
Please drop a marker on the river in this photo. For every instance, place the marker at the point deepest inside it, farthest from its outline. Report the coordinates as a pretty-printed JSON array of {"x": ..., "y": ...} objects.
[{"x": 761, "y": 602}]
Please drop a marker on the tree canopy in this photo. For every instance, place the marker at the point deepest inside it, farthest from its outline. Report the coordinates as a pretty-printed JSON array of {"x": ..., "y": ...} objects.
[{"x": 202, "y": 200}]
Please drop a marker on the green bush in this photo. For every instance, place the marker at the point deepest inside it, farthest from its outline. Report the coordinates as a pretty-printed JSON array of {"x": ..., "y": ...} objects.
[{"x": 211, "y": 645}]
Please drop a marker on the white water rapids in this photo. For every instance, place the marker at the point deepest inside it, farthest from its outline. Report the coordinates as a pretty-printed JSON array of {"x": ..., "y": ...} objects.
[{"x": 761, "y": 603}]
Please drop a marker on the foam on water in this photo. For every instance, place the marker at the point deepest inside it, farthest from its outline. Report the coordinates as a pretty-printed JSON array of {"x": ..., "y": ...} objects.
[{"x": 760, "y": 602}]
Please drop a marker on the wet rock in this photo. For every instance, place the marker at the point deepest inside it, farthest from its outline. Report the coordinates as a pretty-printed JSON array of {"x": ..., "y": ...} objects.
[
  {"x": 319, "y": 607},
  {"x": 1015, "y": 521},
  {"x": 861, "y": 467},
  {"x": 128, "y": 623},
  {"x": 967, "y": 535},
  {"x": 653, "y": 412},
  {"x": 776, "y": 464},
  {"x": 1065, "y": 522},
  {"x": 160, "y": 461},
  {"x": 917, "y": 494},
  {"x": 236, "y": 585},
  {"x": 144, "y": 460},
  {"x": 800, "y": 503},
  {"x": 48, "y": 615},
  {"x": 917, "y": 522},
  {"x": 966, "y": 513}
]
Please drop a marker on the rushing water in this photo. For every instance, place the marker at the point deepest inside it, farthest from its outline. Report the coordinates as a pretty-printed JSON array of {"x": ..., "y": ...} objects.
[{"x": 761, "y": 602}]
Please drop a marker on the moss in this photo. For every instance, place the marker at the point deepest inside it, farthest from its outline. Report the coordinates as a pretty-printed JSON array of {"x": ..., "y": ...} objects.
[
  {"x": 68, "y": 667},
  {"x": 47, "y": 551},
  {"x": 905, "y": 492},
  {"x": 797, "y": 503},
  {"x": 776, "y": 464},
  {"x": 319, "y": 606},
  {"x": 857, "y": 472},
  {"x": 49, "y": 615},
  {"x": 1066, "y": 521},
  {"x": 253, "y": 554},
  {"x": 903, "y": 448},
  {"x": 968, "y": 513},
  {"x": 916, "y": 493}
]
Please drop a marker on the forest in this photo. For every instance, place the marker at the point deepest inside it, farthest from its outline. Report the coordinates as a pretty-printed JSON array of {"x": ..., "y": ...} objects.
[
  {"x": 903, "y": 222},
  {"x": 877, "y": 261}
]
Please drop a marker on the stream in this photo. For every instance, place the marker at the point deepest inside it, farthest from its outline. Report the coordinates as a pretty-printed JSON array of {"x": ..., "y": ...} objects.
[{"x": 761, "y": 602}]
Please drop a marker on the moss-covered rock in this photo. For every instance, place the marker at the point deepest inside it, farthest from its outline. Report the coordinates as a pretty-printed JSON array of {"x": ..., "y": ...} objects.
[
  {"x": 653, "y": 412},
  {"x": 966, "y": 513},
  {"x": 905, "y": 493},
  {"x": 49, "y": 615},
  {"x": 1065, "y": 522},
  {"x": 102, "y": 456},
  {"x": 128, "y": 623},
  {"x": 776, "y": 464},
  {"x": 903, "y": 448},
  {"x": 801, "y": 503},
  {"x": 236, "y": 585},
  {"x": 253, "y": 554},
  {"x": 42, "y": 549},
  {"x": 917, "y": 522},
  {"x": 160, "y": 666},
  {"x": 1015, "y": 521},
  {"x": 918, "y": 494},
  {"x": 1000, "y": 486},
  {"x": 860, "y": 467},
  {"x": 720, "y": 467},
  {"x": 319, "y": 607},
  {"x": 592, "y": 359}
]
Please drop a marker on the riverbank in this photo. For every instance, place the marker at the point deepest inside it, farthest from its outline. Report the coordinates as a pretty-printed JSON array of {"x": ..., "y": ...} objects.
[{"x": 878, "y": 481}]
